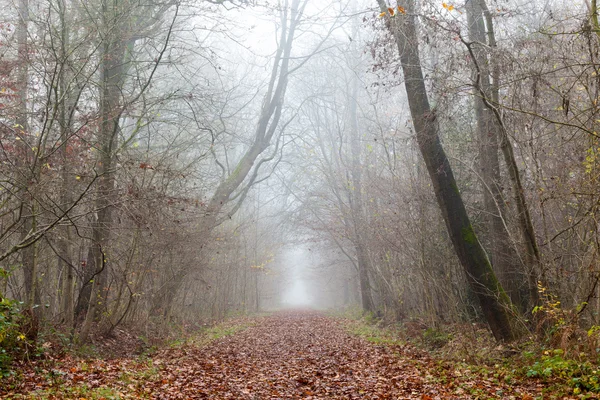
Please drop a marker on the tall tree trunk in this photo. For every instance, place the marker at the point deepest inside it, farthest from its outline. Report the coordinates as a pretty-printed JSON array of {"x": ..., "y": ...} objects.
[
  {"x": 495, "y": 303},
  {"x": 503, "y": 256},
  {"x": 30, "y": 253},
  {"x": 113, "y": 70},
  {"x": 356, "y": 203},
  {"x": 266, "y": 128},
  {"x": 492, "y": 101},
  {"x": 65, "y": 262}
]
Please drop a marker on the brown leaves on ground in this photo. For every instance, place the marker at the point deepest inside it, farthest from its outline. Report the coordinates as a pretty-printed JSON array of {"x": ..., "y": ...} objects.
[{"x": 299, "y": 355}]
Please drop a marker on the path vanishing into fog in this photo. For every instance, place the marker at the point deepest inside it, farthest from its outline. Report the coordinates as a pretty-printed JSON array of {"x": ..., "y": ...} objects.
[
  {"x": 305, "y": 355},
  {"x": 291, "y": 355}
]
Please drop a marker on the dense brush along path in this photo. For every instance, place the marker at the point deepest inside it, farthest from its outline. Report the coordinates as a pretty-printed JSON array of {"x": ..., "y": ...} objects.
[{"x": 292, "y": 355}]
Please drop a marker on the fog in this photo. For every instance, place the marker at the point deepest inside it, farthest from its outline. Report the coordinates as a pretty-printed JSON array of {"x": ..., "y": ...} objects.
[
  {"x": 297, "y": 296},
  {"x": 296, "y": 293},
  {"x": 229, "y": 157}
]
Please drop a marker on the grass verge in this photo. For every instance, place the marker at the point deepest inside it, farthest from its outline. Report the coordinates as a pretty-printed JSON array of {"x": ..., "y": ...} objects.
[
  {"x": 73, "y": 376},
  {"x": 466, "y": 359}
]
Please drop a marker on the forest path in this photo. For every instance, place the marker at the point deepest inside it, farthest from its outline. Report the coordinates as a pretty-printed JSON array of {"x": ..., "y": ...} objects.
[
  {"x": 307, "y": 355},
  {"x": 291, "y": 355}
]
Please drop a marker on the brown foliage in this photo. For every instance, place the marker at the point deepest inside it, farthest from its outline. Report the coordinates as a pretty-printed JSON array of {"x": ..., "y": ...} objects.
[{"x": 300, "y": 355}]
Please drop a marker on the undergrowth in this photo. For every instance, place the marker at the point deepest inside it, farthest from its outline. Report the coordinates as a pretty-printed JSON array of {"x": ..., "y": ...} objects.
[
  {"x": 85, "y": 361},
  {"x": 467, "y": 352},
  {"x": 208, "y": 334},
  {"x": 14, "y": 342}
]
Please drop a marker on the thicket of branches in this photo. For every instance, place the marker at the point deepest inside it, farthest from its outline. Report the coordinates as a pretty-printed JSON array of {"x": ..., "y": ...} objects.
[
  {"x": 156, "y": 161},
  {"x": 513, "y": 93}
]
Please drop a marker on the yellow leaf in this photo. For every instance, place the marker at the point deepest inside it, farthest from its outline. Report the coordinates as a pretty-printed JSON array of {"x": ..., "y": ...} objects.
[
  {"x": 382, "y": 15},
  {"x": 401, "y": 10},
  {"x": 391, "y": 10}
]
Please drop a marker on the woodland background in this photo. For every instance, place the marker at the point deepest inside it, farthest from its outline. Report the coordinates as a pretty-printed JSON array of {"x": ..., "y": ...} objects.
[{"x": 159, "y": 159}]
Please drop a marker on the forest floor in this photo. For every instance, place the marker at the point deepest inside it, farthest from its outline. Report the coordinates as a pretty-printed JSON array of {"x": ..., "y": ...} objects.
[{"x": 292, "y": 355}]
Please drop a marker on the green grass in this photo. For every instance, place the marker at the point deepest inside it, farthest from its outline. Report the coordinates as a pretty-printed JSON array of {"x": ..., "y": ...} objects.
[
  {"x": 373, "y": 333},
  {"x": 215, "y": 332}
]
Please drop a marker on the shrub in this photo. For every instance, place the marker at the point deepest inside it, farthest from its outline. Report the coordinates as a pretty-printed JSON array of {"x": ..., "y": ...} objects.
[
  {"x": 435, "y": 338},
  {"x": 581, "y": 376},
  {"x": 12, "y": 341}
]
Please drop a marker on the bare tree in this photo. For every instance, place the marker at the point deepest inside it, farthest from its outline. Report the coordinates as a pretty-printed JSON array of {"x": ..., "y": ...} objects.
[{"x": 496, "y": 305}]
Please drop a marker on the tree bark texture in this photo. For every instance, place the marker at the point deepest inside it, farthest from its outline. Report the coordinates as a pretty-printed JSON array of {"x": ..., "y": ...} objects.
[
  {"x": 495, "y": 303},
  {"x": 503, "y": 256},
  {"x": 113, "y": 71},
  {"x": 491, "y": 101}
]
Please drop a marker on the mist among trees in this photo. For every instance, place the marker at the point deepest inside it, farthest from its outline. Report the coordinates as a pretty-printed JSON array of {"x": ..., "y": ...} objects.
[{"x": 173, "y": 163}]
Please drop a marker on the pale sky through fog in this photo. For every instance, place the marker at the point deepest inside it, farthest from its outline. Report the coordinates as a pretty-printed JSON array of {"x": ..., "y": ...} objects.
[{"x": 297, "y": 294}]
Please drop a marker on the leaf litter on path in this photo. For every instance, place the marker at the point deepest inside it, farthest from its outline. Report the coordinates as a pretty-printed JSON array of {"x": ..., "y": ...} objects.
[{"x": 291, "y": 355}]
